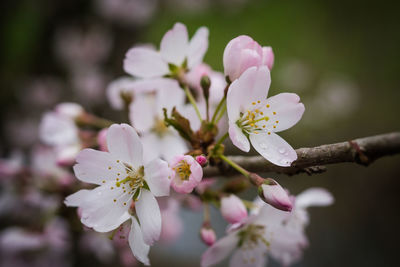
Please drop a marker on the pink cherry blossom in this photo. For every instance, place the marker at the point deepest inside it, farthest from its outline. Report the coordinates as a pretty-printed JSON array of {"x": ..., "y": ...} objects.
[
  {"x": 186, "y": 173},
  {"x": 122, "y": 179},
  {"x": 254, "y": 116},
  {"x": 242, "y": 53},
  {"x": 233, "y": 209},
  {"x": 175, "y": 48}
]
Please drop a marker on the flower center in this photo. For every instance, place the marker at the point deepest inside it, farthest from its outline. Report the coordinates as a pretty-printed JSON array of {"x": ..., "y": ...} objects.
[
  {"x": 183, "y": 170},
  {"x": 251, "y": 236},
  {"x": 257, "y": 119},
  {"x": 159, "y": 127}
]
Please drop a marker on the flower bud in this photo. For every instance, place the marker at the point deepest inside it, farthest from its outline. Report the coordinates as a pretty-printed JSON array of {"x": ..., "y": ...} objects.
[
  {"x": 268, "y": 57},
  {"x": 205, "y": 83},
  {"x": 240, "y": 54},
  {"x": 207, "y": 234},
  {"x": 233, "y": 209},
  {"x": 274, "y": 194},
  {"x": 202, "y": 160}
]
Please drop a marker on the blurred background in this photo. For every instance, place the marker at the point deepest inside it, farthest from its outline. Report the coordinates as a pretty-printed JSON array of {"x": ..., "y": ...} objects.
[{"x": 341, "y": 57}]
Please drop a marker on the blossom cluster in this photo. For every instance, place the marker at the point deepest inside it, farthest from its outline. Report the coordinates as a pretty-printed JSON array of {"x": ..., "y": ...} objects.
[{"x": 181, "y": 112}]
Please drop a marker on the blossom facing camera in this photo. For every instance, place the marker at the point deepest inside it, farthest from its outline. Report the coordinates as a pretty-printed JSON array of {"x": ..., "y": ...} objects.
[
  {"x": 233, "y": 209},
  {"x": 186, "y": 173},
  {"x": 207, "y": 235},
  {"x": 242, "y": 53},
  {"x": 175, "y": 50},
  {"x": 253, "y": 116},
  {"x": 274, "y": 194}
]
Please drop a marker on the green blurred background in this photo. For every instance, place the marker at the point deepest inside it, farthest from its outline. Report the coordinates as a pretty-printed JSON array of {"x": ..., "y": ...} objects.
[{"x": 341, "y": 57}]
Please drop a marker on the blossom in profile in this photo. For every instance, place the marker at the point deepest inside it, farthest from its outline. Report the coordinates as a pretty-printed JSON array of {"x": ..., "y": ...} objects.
[
  {"x": 186, "y": 173},
  {"x": 242, "y": 53},
  {"x": 176, "y": 52},
  {"x": 274, "y": 194},
  {"x": 253, "y": 116},
  {"x": 123, "y": 182},
  {"x": 268, "y": 231}
]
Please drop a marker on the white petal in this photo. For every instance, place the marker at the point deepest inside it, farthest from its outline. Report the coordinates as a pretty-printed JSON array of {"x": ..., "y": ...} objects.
[
  {"x": 104, "y": 209},
  {"x": 251, "y": 86},
  {"x": 273, "y": 148},
  {"x": 149, "y": 215},
  {"x": 56, "y": 129},
  {"x": 314, "y": 197},
  {"x": 238, "y": 138},
  {"x": 249, "y": 257},
  {"x": 174, "y": 44},
  {"x": 145, "y": 62},
  {"x": 95, "y": 166},
  {"x": 287, "y": 108},
  {"x": 139, "y": 249},
  {"x": 197, "y": 47},
  {"x": 76, "y": 199},
  {"x": 151, "y": 146},
  {"x": 220, "y": 250},
  {"x": 157, "y": 177},
  {"x": 171, "y": 145},
  {"x": 124, "y": 143},
  {"x": 142, "y": 112},
  {"x": 171, "y": 95}
]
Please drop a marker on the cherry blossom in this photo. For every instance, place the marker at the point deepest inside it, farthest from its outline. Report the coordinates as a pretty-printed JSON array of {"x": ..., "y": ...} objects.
[
  {"x": 122, "y": 181},
  {"x": 233, "y": 209},
  {"x": 187, "y": 173},
  {"x": 253, "y": 116},
  {"x": 175, "y": 49}
]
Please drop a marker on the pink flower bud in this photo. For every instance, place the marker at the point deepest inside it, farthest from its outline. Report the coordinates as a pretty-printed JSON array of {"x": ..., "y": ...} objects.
[
  {"x": 208, "y": 236},
  {"x": 233, "y": 209},
  {"x": 272, "y": 193},
  {"x": 240, "y": 54},
  {"x": 202, "y": 160},
  {"x": 268, "y": 57},
  {"x": 186, "y": 173}
]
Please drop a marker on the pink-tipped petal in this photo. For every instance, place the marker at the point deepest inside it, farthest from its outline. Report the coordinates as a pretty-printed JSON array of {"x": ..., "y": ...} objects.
[
  {"x": 268, "y": 57},
  {"x": 276, "y": 196},
  {"x": 314, "y": 197},
  {"x": 233, "y": 209}
]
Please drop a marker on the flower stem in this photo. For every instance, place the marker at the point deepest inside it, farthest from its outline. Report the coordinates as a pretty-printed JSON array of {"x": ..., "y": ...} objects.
[
  {"x": 235, "y": 166},
  {"x": 222, "y": 139},
  {"x": 192, "y": 101},
  {"x": 206, "y": 213},
  {"x": 217, "y": 109},
  {"x": 221, "y": 114}
]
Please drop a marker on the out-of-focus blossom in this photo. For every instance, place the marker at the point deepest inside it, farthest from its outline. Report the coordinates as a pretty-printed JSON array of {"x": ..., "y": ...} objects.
[
  {"x": 242, "y": 53},
  {"x": 146, "y": 115},
  {"x": 274, "y": 194},
  {"x": 233, "y": 209},
  {"x": 172, "y": 225},
  {"x": 12, "y": 165},
  {"x": 98, "y": 244},
  {"x": 208, "y": 236},
  {"x": 58, "y": 129},
  {"x": 175, "y": 50},
  {"x": 89, "y": 85},
  {"x": 187, "y": 173},
  {"x": 205, "y": 184},
  {"x": 79, "y": 48},
  {"x": 120, "y": 92},
  {"x": 254, "y": 116},
  {"x": 41, "y": 92},
  {"x": 268, "y": 232},
  {"x": 129, "y": 12},
  {"x": 122, "y": 177},
  {"x": 21, "y": 132}
]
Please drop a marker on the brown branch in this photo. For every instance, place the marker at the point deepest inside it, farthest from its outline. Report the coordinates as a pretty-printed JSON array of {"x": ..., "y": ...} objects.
[{"x": 312, "y": 160}]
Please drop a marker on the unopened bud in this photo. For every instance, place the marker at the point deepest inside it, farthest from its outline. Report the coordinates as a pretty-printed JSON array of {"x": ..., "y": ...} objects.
[
  {"x": 272, "y": 193},
  {"x": 202, "y": 160},
  {"x": 207, "y": 235},
  {"x": 205, "y": 83},
  {"x": 233, "y": 209}
]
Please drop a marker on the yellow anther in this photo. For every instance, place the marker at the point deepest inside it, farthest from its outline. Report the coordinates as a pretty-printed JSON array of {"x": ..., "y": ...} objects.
[
  {"x": 118, "y": 174},
  {"x": 252, "y": 124},
  {"x": 267, "y": 106},
  {"x": 274, "y": 126},
  {"x": 277, "y": 121},
  {"x": 117, "y": 160},
  {"x": 109, "y": 168},
  {"x": 124, "y": 203},
  {"x": 253, "y": 103},
  {"x": 274, "y": 113},
  {"x": 262, "y": 113},
  {"x": 269, "y": 132},
  {"x": 104, "y": 181},
  {"x": 112, "y": 188},
  {"x": 258, "y": 101},
  {"x": 255, "y": 132},
  {"x": 257, "y": 111},
  {"x": 117, "y": 179},
  {"x": 115, "y": 200},
  {"x": 263, "y": 126}
]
